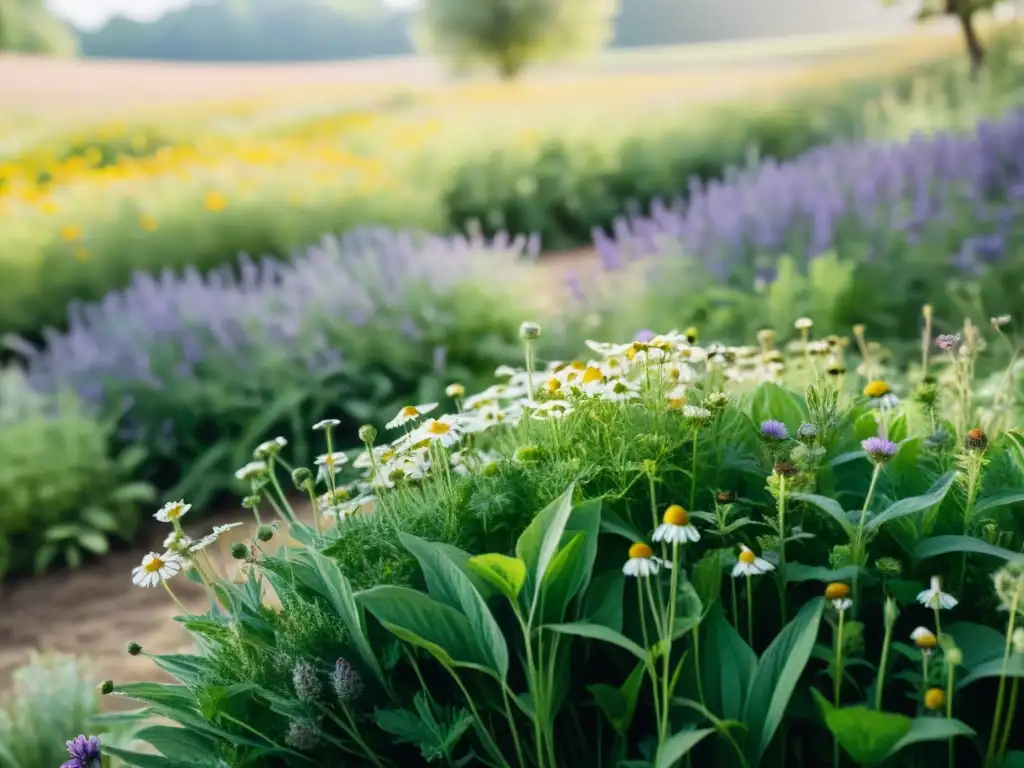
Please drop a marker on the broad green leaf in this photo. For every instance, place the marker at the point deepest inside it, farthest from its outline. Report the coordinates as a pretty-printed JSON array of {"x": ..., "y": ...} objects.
[
  {"x": 612, "y": 522},
  {"x": 586, "y": 518},
  {"x": 846, "y": 458},
  {"x": 565, "y": 574},
  {"x": 830, "y": 507},
  {"x": 336, "y": 589},
  {"x": 179, "y": 743},
  {"x": 540, "y": 541},
  {"x": 998, "y": 500},
  {"x": 778, "y": 673},
  {"x": 994, "y": 668},
  {"x": 904, "y": 507},
  {"x": 867, "y": 735},
  {"x": 898, "y": 429},
  {"x": 598, "y": 632},
  {"x": 798, "y": 572},
  {"x": 770, "y": 401},
  {"x": 619, "y": 704},
  {"x": 707, "y": 575},
  {"x": 420, "y": 620},
  {"x": 727, "y": 665},
  {"x": 504, "y": 573},
  {"x": 452, "y": 587},
  {"x": 977, "y": 642},
  {"x": 1014, "y": 759},
  {"x": 134, "y": 493},
  {"x": 100, "y": 519},
  {"x": 689, "y": 609},
  {"x": 603, "y": 601},
  {"x": 679, "y": 744},
  {"x": 94, "y": 542},
  {"x": 924, "y": 729},
  {"x": 185, "y": 668},
  {"x": 942, "y": 545},
  {"x": 140, "y": 760},
  {"x": 866, "y": 426}
]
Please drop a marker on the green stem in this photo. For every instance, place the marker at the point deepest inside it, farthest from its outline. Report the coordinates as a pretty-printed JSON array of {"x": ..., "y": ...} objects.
[
  {"x": 693, "y": 471},
  {"x": 997, "y": 717},
  {"x": 512, "y": 726},
  {"x": 950, "y": 679},
  {"x": 1011, "y": 710},
  {"x": 858, "y": 544},
  {"x": 972, "y": 492},
  {"x": 482, "y": 730},
  {"x": 883, "y": 664},
  {"x": 735, "y": 605},
  {"x": 782, "y": 551},
  {"x": 667, "y": 641},
  {"x": 837, "y": 681},
  {"x": 750, "y": 612},
  {"x": 938, "y": 622},
  {"x": 696, "y": 663}
]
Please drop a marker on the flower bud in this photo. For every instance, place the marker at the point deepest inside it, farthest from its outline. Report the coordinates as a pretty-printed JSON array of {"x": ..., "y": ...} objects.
[
  {"x": 134, "y": 649},
  {"x": 239, "y": 551},
  {"x": 529, "y": 331},
  {"x": 455, "y": 391},
  {"x": 976, "y": 439},
  {"x": 367, "y": 434},
  {"x": 265, "y": 533},
  {"x": 302, "y": 477},
  {"x": 954, "y": 657},
  {"x": 1017, "y": 640},
  {"x": 807, "y": 433},
  {"x": 106, "y": 687}
]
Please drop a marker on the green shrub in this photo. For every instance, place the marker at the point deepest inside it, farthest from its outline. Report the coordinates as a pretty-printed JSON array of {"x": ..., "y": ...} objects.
[
  {"x": 62, "y": 495},
  {"x": 54, "y": 699},
  {"x": 430, "y": 613}
]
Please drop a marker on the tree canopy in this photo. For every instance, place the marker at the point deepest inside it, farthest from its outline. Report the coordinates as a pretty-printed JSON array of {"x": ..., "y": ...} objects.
[{"x": 26, "y": 26}]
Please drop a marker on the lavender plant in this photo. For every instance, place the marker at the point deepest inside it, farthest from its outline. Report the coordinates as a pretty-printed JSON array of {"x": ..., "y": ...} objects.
[{"x": 429, "y": 614}]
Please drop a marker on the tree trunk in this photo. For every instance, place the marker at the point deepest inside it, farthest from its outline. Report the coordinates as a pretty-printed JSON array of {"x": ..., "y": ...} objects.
[{"x": 975, "y": 50}]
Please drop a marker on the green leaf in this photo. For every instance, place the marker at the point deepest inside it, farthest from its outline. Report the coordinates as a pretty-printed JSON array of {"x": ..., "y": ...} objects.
[
  {"x": 451, "y": 586},
  {"x": 612, "y": 522},
  {"x": 179, "y": 743},
  {"x": 867, "y": 735},
  {"x": 140, "y": 760},
  {"x": 63, "y": 532},
  {"x": 689, "y": 609},
  {"x": 184, "y": 668},
  {"x": 564, "y": 577},
  {"x": 100, "y": 519},
  {"x": 679, "y": 744},
  {"x": 418, "y": 619},
  {"x": 798, "y": 572},
  {"x": 778, "y": 673},
  {"x": 942, "y": 545},
  {"x": 707, "y": 575},
  {"x": 603, "y": 602},
  {"x": 134, "y": 493},
  {"x": 598, "y": 632},
  {"x": 540, "y": 541},
  {"x": 998, "y": 500},
  {"x": 770, "y": 401},
  {"x": 94, "y": 542},
  {"x": 994, "y": 668},
  {"x": 727, "y": 665},
  {"x": 924, "y": 729},
  {"x": 619, "y": 704},
  {"x": 435, "y": 733},
  {"x": 504, "y": 573},
  {"x": 898, "y": 429},
  {"x": 904, "y": 507},
  {"x": 977, "y": 642},
  {"x": 866, "y": 426},
  {"x": 337, "y": 591},
  {"x": 830, "y": 507},
  {"x": 585, "y": 518}
]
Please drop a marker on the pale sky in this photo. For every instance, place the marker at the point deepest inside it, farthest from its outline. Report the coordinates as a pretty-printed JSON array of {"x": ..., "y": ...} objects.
[{"x": 89, "y": 14}]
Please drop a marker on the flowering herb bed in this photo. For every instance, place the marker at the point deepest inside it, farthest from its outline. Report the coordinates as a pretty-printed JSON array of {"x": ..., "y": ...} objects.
[{"x": 660, "y": 551}]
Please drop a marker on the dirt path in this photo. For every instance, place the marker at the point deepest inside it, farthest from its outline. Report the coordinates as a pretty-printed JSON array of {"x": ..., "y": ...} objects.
[{"x": 96, "y": 610}]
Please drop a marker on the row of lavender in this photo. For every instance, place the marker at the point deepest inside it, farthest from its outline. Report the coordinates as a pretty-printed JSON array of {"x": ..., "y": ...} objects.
[{"x": 198, "y": 369}]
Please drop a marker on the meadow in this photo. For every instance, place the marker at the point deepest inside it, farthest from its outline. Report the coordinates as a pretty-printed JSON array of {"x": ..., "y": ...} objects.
[{"x": 396, "y": 241}]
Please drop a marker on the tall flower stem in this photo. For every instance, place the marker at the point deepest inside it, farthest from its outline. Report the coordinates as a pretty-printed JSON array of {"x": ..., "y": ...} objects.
[
  {"x": 882, "y": 665},
  {"x": 858, "y": 543},
  {"x": 782, "y": 549},
  {"x": 666, "y": 692},
  {"x": 973, "y": 475},
  {"x": 693, "y": 470},
  {"x": 750, "y": 611},
  {"x": 950, "y": 679},
  {"x": 997, "y": 717},
  {"x": 837, "y": 680},
  {"x": 1011, "y": 711},
  {"x": 735, "y": 606}
]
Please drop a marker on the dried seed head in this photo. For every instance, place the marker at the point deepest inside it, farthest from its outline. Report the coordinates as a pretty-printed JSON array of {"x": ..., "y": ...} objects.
[
  {"x": 303, "y": 735},
  {"x": 976, "y": 439},
  {"x": 367, "y": 434},
  {"x": 346, "y": 682},
  {"x": 306, "y": 682}
]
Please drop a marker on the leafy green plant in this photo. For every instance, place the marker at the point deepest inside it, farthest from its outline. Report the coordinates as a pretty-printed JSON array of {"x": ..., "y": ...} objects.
[{"x": 62, "y": 495}]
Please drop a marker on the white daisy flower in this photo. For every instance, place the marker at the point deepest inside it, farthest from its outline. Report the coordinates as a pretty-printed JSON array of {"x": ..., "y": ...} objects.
[
  {"x": 842, "y": 605},
  {"x": 156, "y": 569},
  {"x": 326, "y": 424},
  {"x": 675, "y": 527},
  {"x": 552, "y": 409},
  {"x": 178, "y": 543},
  {"x": 252, "y": 470},
  {"x": 410, "y": 413},
  {"x": 924, "y": 639},
  {"x": 172, "y": 511},
  {"x": 748, "y": 564},
  {"x": 803, "y": 324},
  {"x": 642, "y": 562},
  {"x": 935, "y": 598},
  {"x": 619, "y": 391},
  {"x": 445, "y": 430},
  {"x": 269, "y": 448},
  {"x": 696, "y": 413}
]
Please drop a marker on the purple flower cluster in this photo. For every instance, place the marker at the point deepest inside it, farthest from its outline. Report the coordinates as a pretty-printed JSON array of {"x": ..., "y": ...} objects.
[
  {"x": 948, "y": 192},
  {"x": 84, "y": 752},
  {"x": 259, "y": 325},
  {"x": 880, "y": 449},
  {"x": 774, "y": 430}
]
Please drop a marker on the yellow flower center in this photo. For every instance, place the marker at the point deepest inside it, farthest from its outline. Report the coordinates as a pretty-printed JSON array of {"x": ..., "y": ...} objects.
[
  {"x": 837, "y": 591},
  {"x": 676, "y": 403},
  {"x": 630, "y": 353},
  {"x": 409, "y": 411},
  {"x": 926, "y": 641},
  {"x": 388, "y": 455},
  {"x": 592, "y": 374},
  {"x": 329, "y": 461},
  {"x": 439, "y": 428},
  {"x": 553, "y": 384},
  {"x": 876, "y": 389},
  {"x": 640, "y": 550},
  {"x": 673, "y": 373},
  {"x": 676, "y": 515},
  {"x": 175, "y": 511},
  {"x": 154, "y": 565},
  {"x": 746, "y": 556},
  {"x": 579, "y": 365},
  {"x": 934, "y": 699}
]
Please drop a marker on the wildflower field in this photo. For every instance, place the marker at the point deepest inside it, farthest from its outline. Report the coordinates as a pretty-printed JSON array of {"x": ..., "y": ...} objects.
[
  {"x": 802, "y": 551},
  {"x": 660, "y": 551}
]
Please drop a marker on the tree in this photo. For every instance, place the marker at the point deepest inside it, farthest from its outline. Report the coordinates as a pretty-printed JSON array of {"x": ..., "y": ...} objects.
[
  {"x": 26, "y": 26},
  {"x": 965, "y": 12},
  {"x": 509, "y": 34}
]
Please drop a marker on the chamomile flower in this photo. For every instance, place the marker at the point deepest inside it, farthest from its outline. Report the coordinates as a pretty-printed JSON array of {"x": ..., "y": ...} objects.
[
  {"x": 642, "y": 562},
  {"x": 838, "y": 594},
  {"x": 675, "y": 527},
  {"x": 331, "y": 463},
  {"x": 269, "y": 448},
  {"x": 935, "y": 598},
  {"x": 924, "y": 639},
  {"x": 156, "y": 569},
  {"x": 880, "y": 395},
  {"x": 252, "y": 471},
  {"x": 324, "y": 424},
  {"x": 696, "y": 414},
  {"x": 445, "y": 430},
  {"x": 551, "y": 409},
  {"x": 749, "y": 564},
  {"x": 619, "y": 391},
  {"x": 410, "y": 413},
  {"x": 172, "y": 510}
]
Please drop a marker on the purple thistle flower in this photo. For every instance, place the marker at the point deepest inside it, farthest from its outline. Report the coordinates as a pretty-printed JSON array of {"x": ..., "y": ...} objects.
[
  {"x": 774, "y": 430},
  {"x": 643, "y": 336},
  {"x": 84, "y": 752},
  {"x": 879, "y": 449},
  {"x": 947, "y": 341},
  {"x": 346, "y": 681}
]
